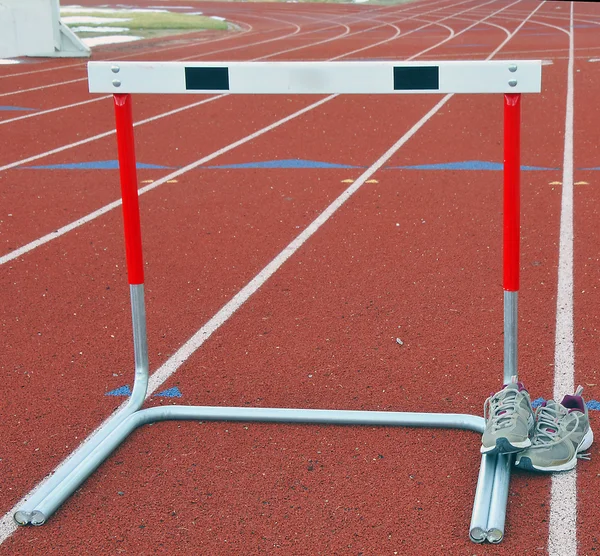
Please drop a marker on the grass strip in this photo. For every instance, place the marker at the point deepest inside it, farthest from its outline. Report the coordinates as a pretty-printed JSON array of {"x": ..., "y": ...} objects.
[{"x": 149, "y": 20}]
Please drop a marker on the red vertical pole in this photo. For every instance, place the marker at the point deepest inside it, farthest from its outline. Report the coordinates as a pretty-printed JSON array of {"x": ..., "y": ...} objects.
[
  {"x": 512, "y": 169},
  {"x": 129, "y": 192}
]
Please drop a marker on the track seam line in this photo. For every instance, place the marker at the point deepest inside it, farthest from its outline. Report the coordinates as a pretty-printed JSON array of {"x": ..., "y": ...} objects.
[{"x": 562, "y": 536}]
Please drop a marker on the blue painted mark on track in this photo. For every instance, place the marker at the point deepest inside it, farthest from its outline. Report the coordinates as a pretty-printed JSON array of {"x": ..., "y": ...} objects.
[
  {"x": 96, "y": 165},
  {"x": 592, "y": 404},
  {"x": 286, "y": 163},
  {"x": 126, "y": 391},
  {"x": 17, "y": 108},
  {"x": 123, "y": 391},
  {"x": 465, "y": 165},
  {"x": 292, "y": 163},
  {"x": 170, "y": 393},
  {"x": 595, "y": 168}
]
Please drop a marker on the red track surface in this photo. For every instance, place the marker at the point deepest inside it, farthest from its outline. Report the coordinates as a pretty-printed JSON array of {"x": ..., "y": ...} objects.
[{"x": 416, "y": 255}]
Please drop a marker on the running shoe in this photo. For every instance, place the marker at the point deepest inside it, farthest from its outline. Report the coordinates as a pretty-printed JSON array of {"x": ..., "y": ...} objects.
[
  {"x": 562, "y": 434},
  {"x": 509, "y": 420}
]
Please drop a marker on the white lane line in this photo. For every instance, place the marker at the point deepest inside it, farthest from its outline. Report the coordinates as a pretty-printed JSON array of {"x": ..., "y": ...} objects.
[
  {"x": 105, "y": 134},
  {"x": 42, "y": 112},
  {"x": 19, "y": 91},
  {"x": 562, "y": 538}
]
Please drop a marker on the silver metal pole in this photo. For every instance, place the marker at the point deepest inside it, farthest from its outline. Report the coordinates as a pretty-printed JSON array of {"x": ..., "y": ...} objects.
[
  {"x": 24, "y": 515},
  {"x": 511, "y": 299},
  {"x": 497, "y": 517},
  {"x": 264, "y": 415},
  {"x": 483, "y": 496}
]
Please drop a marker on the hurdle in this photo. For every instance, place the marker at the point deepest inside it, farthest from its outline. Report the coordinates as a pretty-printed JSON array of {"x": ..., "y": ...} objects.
[{"x": 511, "y": 78}]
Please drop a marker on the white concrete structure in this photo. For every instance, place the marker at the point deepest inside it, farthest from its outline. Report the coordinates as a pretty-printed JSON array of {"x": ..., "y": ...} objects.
[{"x": 34, "y": 28}]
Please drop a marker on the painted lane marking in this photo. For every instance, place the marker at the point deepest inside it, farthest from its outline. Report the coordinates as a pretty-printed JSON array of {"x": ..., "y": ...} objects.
[
  {"x": 97, "y": 165},
  {"x": 125, "y": 391},
  {"x": 169, "y": 393},
  {"x": 122, "y": 391},
  {"x": 466, "y": 165},
  {"x": 298, "y": 163},
  {"x": 42, "y": 112},
  {"x": 285, "y": 163},
  {"x": 562, "y": 538},
  {"x": 43, "y": 87},
  {"x": 15, "y": 108}
]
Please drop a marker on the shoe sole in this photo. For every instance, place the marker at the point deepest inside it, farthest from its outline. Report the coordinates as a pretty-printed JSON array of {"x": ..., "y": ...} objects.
[
  {"x": 503, "y": 446},
  {"x": 586, "y": 442}
]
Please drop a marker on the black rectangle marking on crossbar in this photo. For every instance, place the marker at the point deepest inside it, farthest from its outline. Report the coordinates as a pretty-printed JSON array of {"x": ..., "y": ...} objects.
[
  {"x": 207, "y": 79},
  {"x": 411, "y": 78}
]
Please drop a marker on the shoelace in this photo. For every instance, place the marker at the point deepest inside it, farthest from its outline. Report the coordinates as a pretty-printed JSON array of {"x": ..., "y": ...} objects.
[
  {"x": 502, "y": 411},
  {"x": 548, "y": 424}
]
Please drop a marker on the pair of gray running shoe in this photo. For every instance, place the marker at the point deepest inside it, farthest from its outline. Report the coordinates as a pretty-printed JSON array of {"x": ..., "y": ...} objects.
[{"x": 550, "y": 439}]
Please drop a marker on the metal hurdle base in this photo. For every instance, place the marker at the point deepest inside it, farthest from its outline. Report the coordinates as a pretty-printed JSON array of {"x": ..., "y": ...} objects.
[{"x": 489, "y": 507}]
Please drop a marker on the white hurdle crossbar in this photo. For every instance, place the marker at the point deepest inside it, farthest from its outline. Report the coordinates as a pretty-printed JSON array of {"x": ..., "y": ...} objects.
[{"x": 510, "y": 78}]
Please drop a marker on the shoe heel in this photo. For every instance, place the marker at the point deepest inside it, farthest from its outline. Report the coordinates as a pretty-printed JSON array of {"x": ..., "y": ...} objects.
[{"x": 586, "y": 442}]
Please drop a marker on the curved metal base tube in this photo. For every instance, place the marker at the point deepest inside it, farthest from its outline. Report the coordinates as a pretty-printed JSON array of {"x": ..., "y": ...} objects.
[
  {"x": 23, "y": 516},
  {"x": 489, "y": 508},
  {"x": 46, "y": 507}
]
